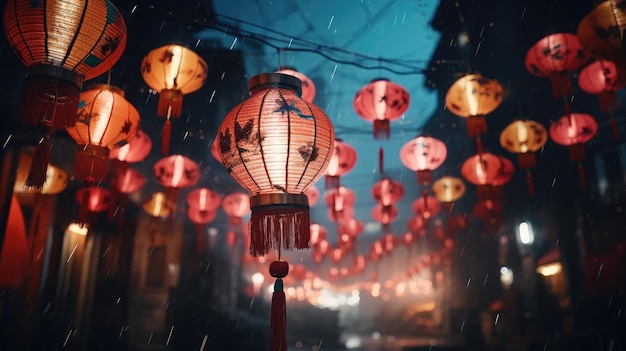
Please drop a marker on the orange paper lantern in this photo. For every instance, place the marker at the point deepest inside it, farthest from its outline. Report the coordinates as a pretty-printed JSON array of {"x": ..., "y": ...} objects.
[
  {"x": 343, "y": 159},
  {"x": 423, "y": 154}
]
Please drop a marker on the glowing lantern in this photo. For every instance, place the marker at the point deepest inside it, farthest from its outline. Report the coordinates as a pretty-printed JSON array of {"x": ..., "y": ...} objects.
[
  {"x": 173, "y": 71},
  {"x": 318, "y": 233},
  {"x": 556, "y": 56},
  {"x": 416, "y": 224},
  {"x": 204, "y": 199},
  {"x": 426, "y": 206},
  {"x": 62, "y": 43},
  {"x": 387, "y": 191},
  {"x": 524, "y": 138},
  {"x": 472, "y": 97},
  {"x": 384, "y": 214},
  {"x": 340, "y": 216},
  {"x": 339, "y": 199},
  {"x": 56, "y": 178},
  {"x": 423, "y": 154},
  {"x": 198, "y": 216},
  {"x": 342, "y": 161},
  {"x": 573, "y": 131},
  {"x": 99, "y": 198},
  {"x": 380, "y": 102},
  {"x": 601, "y": 33},
  {"x": 489, "y": 173},
  {"x": 136, "y": 150},
  {"x": 175, "y": 173},
  {"x": 601, "y": 77},
  {"x": 313, "y": 194},
  {"x": 352, "y": 227},
  {"x": 158, "y": 206},
  {"x": 14, "y": 256},
  {"x": 236, "y": 205},
  {"x": 127, "y": 180},
  {"x": 276, "y": 145},
  {"x": 308, "y": 88},
  {"x": 447, "y": 190},
  {"x": 215, "y": 150}
]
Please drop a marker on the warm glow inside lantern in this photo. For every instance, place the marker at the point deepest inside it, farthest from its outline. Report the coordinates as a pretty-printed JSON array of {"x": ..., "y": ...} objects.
[
  {"x": 380, "y": 102},
  {"x": 172, "y": 70},
  {"x": 447, "y": 190},
  {"x": 176, "y": 172},
  {"x": 423, "y": 154},
  {"x": 387, "y": 191},
  {"x": 343, "y": 159},
  {"x": 276, "y": 145},
  {"x": 137, "y": 149},
  {"x": 56, "y": 178},
  {"x": 489, "y": 172}
]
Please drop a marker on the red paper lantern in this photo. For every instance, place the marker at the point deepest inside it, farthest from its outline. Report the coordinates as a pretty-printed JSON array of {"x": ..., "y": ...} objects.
[
  {"x": 127, "y": 180},
  {"x": 342, "y": 161},
  {"x": 384, "y": 214},
  {"x": 198, "y": 216},
  {"x": 387, "y": 191},
  {"x": 204, "y": 199},
  {"x": 338, "y": 199},
  {"x": 318, "y": 233},
  {"x": 489, "y": 172},
  {"x": 99, "y": 198},
  {"x": 574, "y": 130},
  {"x": 173, "y": 71},
  {"x": 352, "y": 227},
  {"x": 416, "y": 224},
  {"x": 556, "y": 56},
  {"x": 423, "y": 155},
  {"x": 426, "y": 206},
  {"x": 472, "y": 97},
  {"x": 308, "y": 87},
  {"x": 340, "y": 216},
  {"x": 236, "y": 205},
  {"x": 176, "y": 171},
  {"x": 136, "y": 150},
  {"x": 380, "y": 102}
]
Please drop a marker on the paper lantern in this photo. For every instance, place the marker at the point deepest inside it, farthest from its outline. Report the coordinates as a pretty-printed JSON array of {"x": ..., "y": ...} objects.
[
  {"x": 56, "y": 178},
  {"x": 318, "y": 233},
  {"x": 472, "y": 97},
  {"x": 601, "y": 33},
  {"x": 127, "y": 180},
  {"x": 236, "y": 205},
  {"x": 489, "y": 172},
  {"x": 99, "y": 198},
  {"x": 352, "y": 227},
  {"x": 416, "y": 225},
  {"x": 343, "y": 159},
  {"x": 340, "y": 216},
  {"x": 158, "y": 206},
  {"x": 276, "y": 146},
  {"x": 198, "y": 216},
  {"x": 387, "y": 191},
  {"x": 176, "y": 171},
  {"x": 380, "y": 102},
  {"x": 14, "y": 255},
  {"x": 524, "y": 138},
  {"x": 423, "y": 154},
  {"x": 313, "y": 194},
  {"x": 136, "y": 150},
  {"x": 448, "y": 189},
  {"x": 601, "y": 78},
  {"x": 573, "y": 131},
  {"x": 173, "y": 71},
  {"x": 203, "y": 199},
  {"x": 340, "y": 198},
  {"x": 384, "y": 214},
  {"x": 556, "y": 56},
  {"x": 308, "y": 87},
  {"x": 426, "y": 206},
  {"x": 489, "y": 211}
]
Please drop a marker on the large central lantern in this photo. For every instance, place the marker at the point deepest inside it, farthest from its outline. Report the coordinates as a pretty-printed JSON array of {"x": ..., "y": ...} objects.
[{"x": 276, "y": 145}]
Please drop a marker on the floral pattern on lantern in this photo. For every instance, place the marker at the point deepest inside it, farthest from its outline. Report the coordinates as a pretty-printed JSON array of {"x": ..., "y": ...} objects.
[
  {"x": 556, "y": 56},
  {"x": 380, "y": 102},
  {"x": 343, "y": 159},
  {"x": 600, "y": 32},
  {"x": 276, "y": 145},
  {"x": 173, "y": 71},
  {"x": 423, "y": 154},
  {"x": 602, "y": 78},
  {"x": 308, "y": 87},
  {"x": 472, "y": 97}
]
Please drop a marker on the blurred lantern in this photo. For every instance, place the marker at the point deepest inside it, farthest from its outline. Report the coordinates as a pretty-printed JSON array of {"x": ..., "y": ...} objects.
[
  {"x": 14, "y": 256},
  {"x": 173, "y": 71},
  {"x": 339, "y": 199},
  {"x": 472, "y": 97},
  {"x": 308, "y": 88},
  {"x": 601, "y": 78},
  {"x": 175, "y": 173},
  {"x": 276, "y": 145},
  {"x": 158, "y": 206},
  {"x": 380, "y": 102},
  {"x": 106, "y": 120},
  {"x": 340, "y": 216},
  {"x": 524, "y": 138},
  {"x": 203, "y": 199},
  {"x": 384, "y": 215},
  {"x": 313, "y": 194},
  {"x": 574, "y": 130},
  {"x": 200, "y": 219},
  {"x": 447, "y": 190},
  {"x": 318, "y": 233},
  {"x": 387, "y": 191},
  {"x": 342, "y": 161},
  {"x": 423, "y": 154},
  {"x": 426, "y": 206},
  {"x": 215, "y": 150},
  {"x": 358, "y": 264},
  {"x": 352, "y": 227},
  {"x": 389, "y": 242},
  {"x": 136, "y": 150},
  {"x": 123, "y": 181},
  {"x": 236, "y": 205},
  {"x": 376, "y": 250},
  {"x": 489, "y": 173},
  {"x": 557, "y": 56},
  {"x": 99, "y": 198},
  {"x": 489, "y": 211},
  {"x": 56, "y": 179},
  {"x": 336, "y": 255},
  {"x": 416, "y": 225},
  {"x": 601, "y": 33},
  {"x": 62, "y": 43}
]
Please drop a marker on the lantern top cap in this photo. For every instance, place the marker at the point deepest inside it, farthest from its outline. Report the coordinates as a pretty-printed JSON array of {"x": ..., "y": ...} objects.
[
  {"x": 380, "y": 79},
  {"x": 276, "y": 80},
  {"x": 108, "y": 87}
]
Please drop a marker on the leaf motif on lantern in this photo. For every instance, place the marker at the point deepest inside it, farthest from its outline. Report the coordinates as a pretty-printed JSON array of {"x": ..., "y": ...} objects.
[
  {"x": 309, "y": 152},
  {"x": 286, "y": 107}
]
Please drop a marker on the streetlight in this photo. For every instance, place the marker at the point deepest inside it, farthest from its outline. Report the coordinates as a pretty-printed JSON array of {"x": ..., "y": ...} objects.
[{"x": 525, "y": 233}]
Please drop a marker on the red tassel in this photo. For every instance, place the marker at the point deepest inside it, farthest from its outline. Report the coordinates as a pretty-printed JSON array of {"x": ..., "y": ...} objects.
[
  {"x": 38, "y": 168},
  {"x": 381, "y": 160},
  {"x": 381, "y": 129},
  {"x": 51, "y": 99},
  {"x": 91, "y": 161},
  {"x": 476, "y": 126},
  {"x": 279, "y": 226},
  {"x": 331, "y": 182},
  {"x": 529, "y": 183},
  {"x": 170, "y": 103},
  {"x": 200, "y": 241},
  {"x": 165, "y": 137},
  {"x": 424, "y": 177},
  {"x": 581, "y": 176},
  {"x": 278, "y": 318},
  {"x": 83, "y": 209},
  {"x": 479, "y": 146},
  {"x": 526, "y": 160},
  {"x": 562, "y": 85},
  {"x": 614, "y": 128},
  {"x": 608, "y": 101}
]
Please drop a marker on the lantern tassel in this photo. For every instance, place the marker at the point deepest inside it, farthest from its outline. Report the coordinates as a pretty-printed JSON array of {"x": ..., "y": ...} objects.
[
  {"x": 381, "y": 160},
  {"x": 381, "y": 129},
  {"x": 529, "y": 183},
  {"x": 331, "y": 182},
  {"x": 50, "y": 98},
  {"x": 200, "y": 242},
  {"x": 39, "y": 166},
  {"x": 165, "y": 138},
  {"x": 278, "y": 318},
  {"x": 562, "y": 85},
  {"x": 91, "y": 161},
  {"x": 581, "y": 176},
  {"x": 614, "y": 128},
  {"x": 476, "y": 126},
  {"x": 170, "y": 103},
  {"x": 83, "y": 209},
  {"x": 276, "y": 226}
]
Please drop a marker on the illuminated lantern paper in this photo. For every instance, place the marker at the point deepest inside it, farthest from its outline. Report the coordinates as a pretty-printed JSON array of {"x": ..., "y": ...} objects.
[
  {"x": 380, "y": 102},
  {"x": 426, "y": 206},
  {"x": 524, "y": 137},
  {"x": 557, "y": 56},
  {"x": 339, "y": 199},
  {"x": 416, "y": 224},
  {"x": 489, "y": 172},
  {"x": 601, "y": 78},
  {"x": 308, "y": 87},
  {"x": 56, "y": 178},
  {"x": 352, "y": 227},
  {"x": 158, "y": 206},
  {"x": 384, "y": 215},
  {"x": 236, "y": 205},
  {"x": 340, "y": 216},
  {"x": 573, "y": 131},
  {"x": 473, "y": 97},
  {"x": 14, "y": 256},
  {"x": 176, "y": 172},
  {"x": 387, "y": 192},
  {"x": 99, "y": 198},
  {"x": 313, "y": 194},
  {"x": 447, "y": 190},
  {"x": 62, "y": 43},
  {"x": 136, "y": 150},
  {"x": 318, "y": 233},
  {"x": 173, "y": 71},
  {"x": 343, "y": 159},
  {"x": 127, "y": 180},
  {"x": 423, "y": 154},
  {"x": 204, "y": 199}
]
